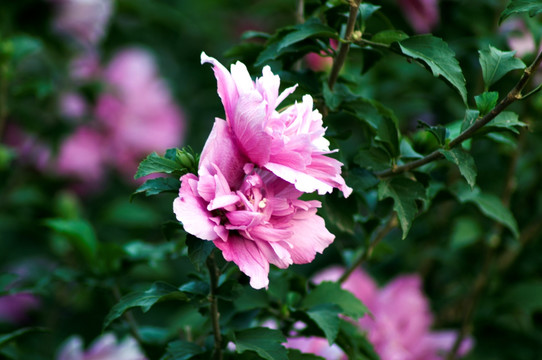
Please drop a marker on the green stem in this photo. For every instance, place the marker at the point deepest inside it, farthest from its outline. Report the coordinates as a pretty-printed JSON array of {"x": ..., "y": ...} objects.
[
  {"x": 512, "y": 96},
  {"x": 378, "y": 236},
  {"x": 215, "y": 315},
  {"x": 345, "y": 45}
]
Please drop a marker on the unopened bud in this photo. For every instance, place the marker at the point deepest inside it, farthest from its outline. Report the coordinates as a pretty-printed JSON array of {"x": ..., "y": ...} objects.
[{"x": 186, "y": 159}]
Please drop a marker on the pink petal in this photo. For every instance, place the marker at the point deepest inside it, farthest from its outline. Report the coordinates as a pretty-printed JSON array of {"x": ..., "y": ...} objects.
[
  {"x": 227, "y": 90},
  {"x": 191, "y": 210},
  {"x": 309, "y": 237}
]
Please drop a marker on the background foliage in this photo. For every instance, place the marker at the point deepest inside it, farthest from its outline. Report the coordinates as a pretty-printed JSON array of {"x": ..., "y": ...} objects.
[{"x": 468, "y": 220}]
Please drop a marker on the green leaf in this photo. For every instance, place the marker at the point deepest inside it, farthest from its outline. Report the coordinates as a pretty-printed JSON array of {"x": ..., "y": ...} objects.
[
  {"x": 182, "y": 350},
  {"x": 526, "y": 296},
  {"x": 265, "y": 342},
  {"x": 331, "y": 293},
  {"x": 485, "y": 102},
  {"x": 388, "y": 134},
  {"x": 361, "y": 179},
  {"x": 23, "y": 46},
  {"x": 490, "y": 205},
  {"x": 6, "y": 338},
  {"x": 470, "y": 118},
  {"x": 326, "y": 316},
  {"x": 155, "y": 163},
  {"x": 294, "y": 354},
  {"x": 80, "y": 233},
  {"x": 436, "y": 54},
  {"x": 159, "y": 291},
  {"x": 389, "y": 36},
  {"x": 283, "y": 40},
  {"x": 198, "y": 250},
  {"x": 157, "y": 186},
  {"x": 496, "y": 63},
  {"x": 407, "y": 151},
  {"x": 533, "y": 7},
  {"x": 251, "y": 299},
  {"x": 506, "y": 120},
  {"x": 404, "y": 193},
  {"x": 439, "y": 132},
  {"x": 367, "y": 10},
  {"x": 464, "y": 162},
  {"x": 466, "y": 231},
  {"x": 354, "y": 342}
]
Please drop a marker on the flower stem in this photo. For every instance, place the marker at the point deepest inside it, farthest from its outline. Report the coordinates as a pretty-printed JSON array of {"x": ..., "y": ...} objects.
[
  {"x": 512, "y": 96},
  {"x": 214, "y": 274},
  {"x": 378, "y": 236},
  {"x": 345, "y": 46}
]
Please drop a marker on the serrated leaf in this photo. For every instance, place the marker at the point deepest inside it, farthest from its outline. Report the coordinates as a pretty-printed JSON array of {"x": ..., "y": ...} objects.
[
  {"x": 280, "y": 43},
  {"x": 326, "y": 316},
  {"x": 470, "y": 117},
  {"x": 464, "y": 161},
  {"x": 198, "y": 250},
  {"x": 439, "y": 132},
  {"x": 332, "y": 293},
  {"x": 533, "y": 7},
  {"x": 404, "y": 193},
  {"x": 159, "y": 291},
  {"x": 157, "y": 186},
  {"x": 181, "y": 350},
  {"x": 388, "y": 134},
  {"x": 265, "y": 342},
  {"x": 485, "y": 102},
  {"x": 496, "y": 63},
  {"x": 389, "y": 36},
  {"x": 436, "y": 54},
  {"x": 155, "y": 163},
  {"x": 80, "y": 233},
  {"x": 490, "y": 205},
  {"x": 506, "y": 120}
]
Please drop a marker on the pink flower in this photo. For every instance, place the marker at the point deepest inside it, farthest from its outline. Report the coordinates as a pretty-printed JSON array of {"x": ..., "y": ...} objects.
[
  {"x": 317, "y": 346},
  {"x": 423, "y": 15},
  {"x": 104, "y": 348},
  {"x": 86, "y": 66},
  {"x": 289, "y": 143},
  {"x": 15, "y": 307},
  {"x": 519, "y": 38},
  {"x": 322, "y": 61},
  {"x": 84, "y": 20},
  {"x": 138, "y": 112},
  {"x": 30, "y": 150},
  {"x": 82, "y": 156},
  {"x": 399, "y": 327},
  {"x": 72, "y": 105},
  {"x": 254, "y": 217}
]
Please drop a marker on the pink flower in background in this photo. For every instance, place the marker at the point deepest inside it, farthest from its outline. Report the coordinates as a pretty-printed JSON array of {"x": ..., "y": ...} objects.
[
  {"x": 84, "y": 20},
  {"x": 317, "y": 346},
  {"x": 82, "y": 156},
  {"x": 30, "y": 150},
  {"x": 253, "y": 216},
  {"x": 14, "y": 308},
  {"x": 104, "y": 348},
  {"x": 72, "y": 105},
  {"x": 289, "y": 143},
  {"x": 322, "y": 61},
  {"x": 399, "y": 327},
  {"x": 137, "y": 112},
  {"x": 86, "y": 66},
  {"x": 519, "y": 38},
  {"x": 423, "y": 15}
]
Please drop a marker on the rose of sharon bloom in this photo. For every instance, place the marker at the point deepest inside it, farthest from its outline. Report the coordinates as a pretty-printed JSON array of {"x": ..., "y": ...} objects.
[
  {"x": 519, "y": 38},
  {"x": 15, "y": 307},
  {"x": 289, "y": 143},
  {"x": 322, "y": 61},
  {"x": 317, "y": 346},
  {"x": 399, "y": 328},
  {"x": 423, "y": 15},
  {"x": 82, "y": 156},
  {"x": 253, "y": 216},
  {"x": 138, "y": 112},
  {"x": 104, "y": 348},
  {"x": 84, "y": 20}
]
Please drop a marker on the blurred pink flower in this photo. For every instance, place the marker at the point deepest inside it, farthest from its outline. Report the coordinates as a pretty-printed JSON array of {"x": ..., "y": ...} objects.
[
  {"x": 137, "y": 112},
  {"x": 317, "y": 346},
  {"x": 104, "y": 348},
  {"x": 72, "y": 105},
  {"x": 85, "y": 66},
  {"x": 15, "y": 307},
  {"x": 82, "y": 156},
  {"x": 322, "y": 61},
  {"x": 254, "y": 217},
  {"x": 289, "y": 143},
  {"x": 84, "y": 20},
  {"x": 399, "y": 327},
  {"x": 423, "y": 15},
  {"x": 519, "y": 38}
]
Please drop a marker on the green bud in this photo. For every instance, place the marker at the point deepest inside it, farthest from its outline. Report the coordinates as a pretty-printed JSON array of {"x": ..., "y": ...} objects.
[{"x": 186, "y": 159}]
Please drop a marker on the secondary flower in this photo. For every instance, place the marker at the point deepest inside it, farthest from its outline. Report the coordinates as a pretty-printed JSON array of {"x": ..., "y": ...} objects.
[
  {"x": 104, "y": 348},
  {"x": 14, "y": 308},
  {"x": 254, "y": 217},
  {"x": 399, "y": 327},
  {"x": 423, "y": 15},
  {"x": 289, "y": 143},
  {"x": 138, "y": 113}
]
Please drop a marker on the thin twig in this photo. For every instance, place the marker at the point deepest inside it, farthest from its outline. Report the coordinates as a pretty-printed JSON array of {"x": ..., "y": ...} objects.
[
  {"x": 300, "y": 13},
  {"x": 215, "y": 315},
  {"x": 512, "y": 96},
  {"x": 338, "y": 62},
  {"x": 379, "y": 235}
]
